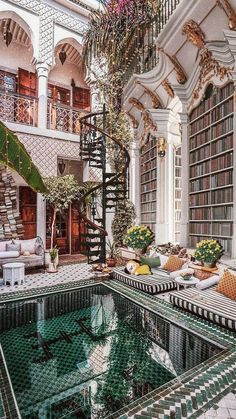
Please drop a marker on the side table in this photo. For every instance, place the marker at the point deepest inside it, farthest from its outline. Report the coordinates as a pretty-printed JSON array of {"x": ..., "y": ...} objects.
[
  {"x": 185, "y": 283},
  {"x": 13, "y": 272}
]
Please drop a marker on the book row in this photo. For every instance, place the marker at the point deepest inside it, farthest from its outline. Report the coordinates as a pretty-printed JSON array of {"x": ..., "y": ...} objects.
[
  {"x": 149, "y": 186},
  {"x": 212, "y": 181},
  {"x": 148, "y": 196},
  {"x": 212, "y": 213},
  {"x": 222, "y": 110},
  {"x": 219, "y": 196},
  {"x": 216, "y": 147},
  {"x": 218, "y": 96},
  {"x": 223, "y": 127},
  {"x": 209, "y": 166},
  {"x": 219, "y": 229},
  {"x": 150, "y": 206},
  {"x": 149, "y": 176}
]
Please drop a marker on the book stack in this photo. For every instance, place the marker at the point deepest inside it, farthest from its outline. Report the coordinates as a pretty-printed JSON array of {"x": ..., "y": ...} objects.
[{"x": 10, "y": 222}]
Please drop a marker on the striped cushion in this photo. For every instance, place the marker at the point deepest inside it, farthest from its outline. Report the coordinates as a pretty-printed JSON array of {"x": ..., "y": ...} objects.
[
  {"x": 209, "y": 304},
  {"x": 152, "y": 284}
]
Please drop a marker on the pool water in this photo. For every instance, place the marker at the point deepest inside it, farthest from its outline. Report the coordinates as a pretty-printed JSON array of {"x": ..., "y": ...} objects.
[{"x": 90, "y": 352}]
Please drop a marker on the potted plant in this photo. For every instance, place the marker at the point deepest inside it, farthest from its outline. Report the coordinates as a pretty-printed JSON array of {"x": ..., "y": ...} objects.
[
  {"x": 112, "y": 252},
  {"x": 61, "y": 191},
  {"x": 53, "y": 253},
  {"x": 138, "y": 238},
  {"x": 208, "y": 252}
]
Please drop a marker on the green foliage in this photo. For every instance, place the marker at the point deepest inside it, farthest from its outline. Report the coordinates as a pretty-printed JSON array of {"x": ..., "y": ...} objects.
[
  {"x": 208, "y": 251},
  {"x": 123, "y": 219},
  {"x": 139, "y": 237},
  {"x": 61, "y": 191},
  {"x": 14, "y": 155}
]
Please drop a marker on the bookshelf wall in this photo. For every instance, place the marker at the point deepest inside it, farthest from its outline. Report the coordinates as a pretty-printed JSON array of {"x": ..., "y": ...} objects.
[
  {"x": 148, "y": 172},
  {"x": 178, "y": 188},
  {"x": 211, "y": 168}
]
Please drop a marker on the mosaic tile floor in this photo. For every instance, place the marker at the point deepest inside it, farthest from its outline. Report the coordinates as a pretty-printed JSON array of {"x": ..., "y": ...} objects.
[{"x": 208, "y": 393}]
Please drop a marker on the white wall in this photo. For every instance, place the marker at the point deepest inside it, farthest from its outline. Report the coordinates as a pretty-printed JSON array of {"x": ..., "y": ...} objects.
[{"x": 15, "y": 56}]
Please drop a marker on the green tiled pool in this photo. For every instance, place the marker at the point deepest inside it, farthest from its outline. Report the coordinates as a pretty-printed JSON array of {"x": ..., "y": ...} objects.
[{"x": 88, "y": 353}]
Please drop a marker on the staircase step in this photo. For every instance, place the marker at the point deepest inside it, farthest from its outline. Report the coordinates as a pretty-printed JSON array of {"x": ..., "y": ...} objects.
[
  {"x": 109, "y": 175},
  {"x": 94, "y": 252},
  {"x": 93, "y": 244},
  {"x": 98, "y": 220}
]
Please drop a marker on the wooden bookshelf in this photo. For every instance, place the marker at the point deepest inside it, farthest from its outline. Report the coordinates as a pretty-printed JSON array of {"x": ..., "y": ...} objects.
[
  {"x": 211, "y": 168},
  {"x": 148, "y": 174},
  {"x": 178, "y": 188}
]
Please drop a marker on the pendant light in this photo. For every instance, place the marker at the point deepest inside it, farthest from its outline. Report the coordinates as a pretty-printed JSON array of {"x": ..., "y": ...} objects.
[
  {"x": 7, "y": 35},
  {"x": 62, "y": 55}
]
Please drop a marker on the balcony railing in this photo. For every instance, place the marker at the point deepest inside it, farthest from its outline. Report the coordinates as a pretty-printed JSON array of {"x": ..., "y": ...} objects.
[
  {"x": 143, "y": 49},
  {"x": 64, "y": 118},
  {"x": 18, "y": 108}
]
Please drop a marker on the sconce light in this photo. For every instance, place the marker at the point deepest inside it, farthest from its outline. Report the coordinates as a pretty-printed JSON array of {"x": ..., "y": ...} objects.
[
  {"x": 62, "y": 55},
  {"x": 61, "y": 166},
  {"x": 7, "y": 35},
  {"x": 161, "y": 147}
]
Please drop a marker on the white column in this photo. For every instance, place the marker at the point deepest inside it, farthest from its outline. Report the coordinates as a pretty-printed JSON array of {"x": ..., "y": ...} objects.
[
  {"x": 41, "y": 218},
  {"x": 184, "y": 224},
  {"x": 135, "y": 192},
  {"x": 42, "y": 70},
  {"x": 168, "y": 128}
]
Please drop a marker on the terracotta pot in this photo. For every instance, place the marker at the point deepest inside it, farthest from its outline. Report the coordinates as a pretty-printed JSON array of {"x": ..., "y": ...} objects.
[
  {"x": 111, "y": 262},
  {"x": 209, "y": 264}
]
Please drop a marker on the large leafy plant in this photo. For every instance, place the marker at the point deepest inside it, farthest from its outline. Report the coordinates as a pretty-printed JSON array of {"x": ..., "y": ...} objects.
[
  {"x": 123, "y": 219},
  {"x": 14, "y": 155},
  {"x": 61, "y": 192},
  {"x": 139, "y": 237}
]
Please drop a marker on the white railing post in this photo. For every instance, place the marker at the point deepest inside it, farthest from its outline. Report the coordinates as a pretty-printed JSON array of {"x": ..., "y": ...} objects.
[{"x": 42, "y": 70}]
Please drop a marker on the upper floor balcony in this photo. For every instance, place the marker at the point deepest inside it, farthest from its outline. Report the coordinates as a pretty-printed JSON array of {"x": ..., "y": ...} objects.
[{"x": 144, "y": 49}]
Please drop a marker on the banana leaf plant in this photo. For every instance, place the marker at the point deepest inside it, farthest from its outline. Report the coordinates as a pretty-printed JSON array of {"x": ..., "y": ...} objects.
[{"x": 14, "y": 155}]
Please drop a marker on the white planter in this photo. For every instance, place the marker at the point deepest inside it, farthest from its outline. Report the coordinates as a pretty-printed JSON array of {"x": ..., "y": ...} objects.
[{"x": 48, "y": 259}]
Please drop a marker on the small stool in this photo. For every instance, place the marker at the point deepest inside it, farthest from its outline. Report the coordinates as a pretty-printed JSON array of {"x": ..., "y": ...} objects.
[{"x": 13, "y": 272}]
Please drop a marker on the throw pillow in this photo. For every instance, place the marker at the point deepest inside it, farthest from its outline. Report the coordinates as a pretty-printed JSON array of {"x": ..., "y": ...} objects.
[
  {"x": 153, "y": 262},
  {"x": 28, "y": 245},
  {"x": 26, "y": 253},
  {"x": 227, "y": 285},
  {"x": 173, "y": 264},
  {"x": 13, "y": 247},
  {"x": 202, "y": 274},
  {"x": 143, "y": 270}
]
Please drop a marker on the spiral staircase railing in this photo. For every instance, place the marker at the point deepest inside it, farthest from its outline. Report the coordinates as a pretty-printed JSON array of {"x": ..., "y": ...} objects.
[{"x": 111, "y": 186}]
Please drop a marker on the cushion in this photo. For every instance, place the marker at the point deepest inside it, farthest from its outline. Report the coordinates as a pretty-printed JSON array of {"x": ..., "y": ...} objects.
[
  {"x": 28, "y": 245},
  {"x": 163, "y": 259},
  {"x": 151, "y": 262},
  {"x": 227, "y": 285},
  {"x": 10, "y": 254},
  {"x": 175, "y": 274},
  {"x": 14, "y": 246},
  {"x": 143, "y": 270},
  {"x": 26, "y": 253},
  {"x": 173, "y": 264},
  {"x": 202, "y": 275},
  {"x": 213, "y": 280},
  {"x": 3, "y": 246}
]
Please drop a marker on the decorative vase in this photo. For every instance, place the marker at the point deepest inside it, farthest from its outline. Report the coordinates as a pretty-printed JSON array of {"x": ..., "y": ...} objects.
[
  {"x": 51, "y": 268},
  {"x": 111, "y": 262},
  {"x": 209, "y": 265}
]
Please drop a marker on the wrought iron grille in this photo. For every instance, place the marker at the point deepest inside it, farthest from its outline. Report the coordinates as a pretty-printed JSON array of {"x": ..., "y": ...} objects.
[
  {"x": 143, "y": 52},
  {"x": 64, "y": 118},
  {"x": 18, "y": 108}
]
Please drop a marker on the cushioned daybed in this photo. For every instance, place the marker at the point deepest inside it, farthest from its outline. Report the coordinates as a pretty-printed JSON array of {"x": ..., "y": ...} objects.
[
  {"x": 208, "y": 304},
  {"x": 151, "y": 284}
]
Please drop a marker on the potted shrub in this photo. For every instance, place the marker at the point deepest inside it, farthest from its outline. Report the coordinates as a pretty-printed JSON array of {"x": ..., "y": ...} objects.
[
  {"x": 138, "y": 238},
  {"x": 61, "y": 191},
  {"x": 112, "y": 252},
  {"x": 53, "y": 253},
  {"x": 208, "y": 252}
]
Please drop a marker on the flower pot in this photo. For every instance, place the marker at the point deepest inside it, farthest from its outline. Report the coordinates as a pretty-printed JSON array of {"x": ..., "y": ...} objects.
[
  {"x": 209, "y": 265},
  {"x": 138, "y": 253},
  {"x": 111, "y": 263},
  {"x": 51, "y": 268}
]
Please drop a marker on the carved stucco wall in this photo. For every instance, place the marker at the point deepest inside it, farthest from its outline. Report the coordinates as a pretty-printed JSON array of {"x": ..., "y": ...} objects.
[
  {"x": 45, "y": 151},
  {"x": 49, "y": 15}
]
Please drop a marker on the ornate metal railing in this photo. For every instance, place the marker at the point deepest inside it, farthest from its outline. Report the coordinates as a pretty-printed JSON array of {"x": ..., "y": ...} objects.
[
  {"x": 64, "y": 118},
  {"x": 18, "y": 108},
  {"x": 143, "y": 49}
]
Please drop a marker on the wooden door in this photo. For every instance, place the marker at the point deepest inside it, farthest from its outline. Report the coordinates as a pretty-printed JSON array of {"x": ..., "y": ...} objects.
[
  {"x": 59, "y": 107},
  {"x": 28, "y": 211},
  {"x": 25, "y": 108},
  {"x": 81, "y": 98},
  {"x": 27, "y": 83},
  {"x": 59, "y": 94},
  {"x": 78, "y": 229}
]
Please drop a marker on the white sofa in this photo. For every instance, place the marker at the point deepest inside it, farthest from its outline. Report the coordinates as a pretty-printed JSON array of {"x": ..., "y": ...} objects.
[{"x": 30, "y": 252}]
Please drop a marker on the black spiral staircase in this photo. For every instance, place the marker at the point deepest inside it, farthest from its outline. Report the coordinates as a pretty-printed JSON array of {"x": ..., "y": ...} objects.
[{"x": 110, "y": 189}]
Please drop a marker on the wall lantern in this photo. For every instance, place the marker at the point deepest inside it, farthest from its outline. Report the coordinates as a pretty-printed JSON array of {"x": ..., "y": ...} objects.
[
  {"x": 61, "y": 166},
  {"x": 62, "y": 55},
  {"x": 161, "y": 147},
  {"x": 7, "y": 35}
]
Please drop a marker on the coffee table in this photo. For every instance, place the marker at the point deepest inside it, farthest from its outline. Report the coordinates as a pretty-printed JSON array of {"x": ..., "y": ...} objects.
[
  {"x": 13, "y": 272},
  {"x": 185, "y": 283}
]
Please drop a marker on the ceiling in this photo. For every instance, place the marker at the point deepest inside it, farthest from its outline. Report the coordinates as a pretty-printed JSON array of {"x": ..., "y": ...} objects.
[
  {"x": 73, "y": 56},
  {"x": 18, "y": 34}
]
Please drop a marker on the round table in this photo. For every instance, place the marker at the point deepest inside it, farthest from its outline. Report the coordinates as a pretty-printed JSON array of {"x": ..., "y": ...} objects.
[
  {"x": 13, "y": 272},
  {"x": 185, "y": 282}
]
